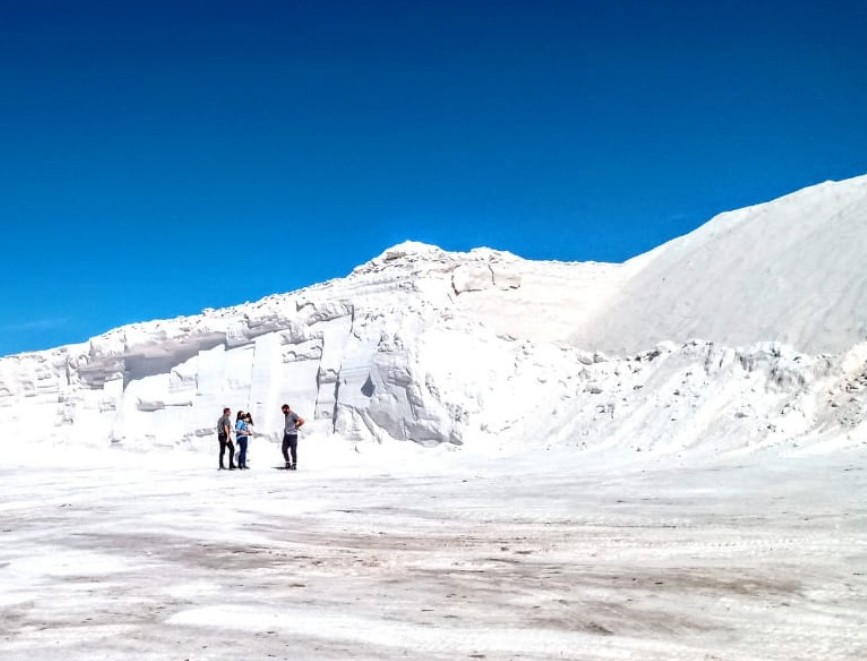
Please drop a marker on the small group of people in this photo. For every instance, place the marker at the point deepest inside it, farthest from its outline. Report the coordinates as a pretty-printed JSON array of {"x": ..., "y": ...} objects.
[{"x": 243, "y": 430}]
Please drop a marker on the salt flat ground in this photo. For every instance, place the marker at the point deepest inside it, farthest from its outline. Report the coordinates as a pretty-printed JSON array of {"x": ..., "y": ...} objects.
[{"x": 117, "y": 556}]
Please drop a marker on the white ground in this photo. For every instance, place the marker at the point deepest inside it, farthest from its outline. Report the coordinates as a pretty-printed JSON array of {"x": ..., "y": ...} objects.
[{"x": 114, "y": 555}]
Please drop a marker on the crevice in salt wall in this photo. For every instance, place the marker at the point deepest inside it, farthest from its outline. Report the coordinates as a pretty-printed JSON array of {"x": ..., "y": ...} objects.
[{"x": 163, "y": 358}]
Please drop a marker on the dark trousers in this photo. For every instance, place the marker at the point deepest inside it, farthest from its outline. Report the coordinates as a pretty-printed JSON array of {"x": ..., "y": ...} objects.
[
  {"x": 290, "y": 442},
  {"x": 242, "y": 452},
  {"x": 226, "y": 444}
]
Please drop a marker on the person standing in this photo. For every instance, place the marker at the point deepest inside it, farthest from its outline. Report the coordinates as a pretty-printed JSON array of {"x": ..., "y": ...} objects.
[
  {"x": 292, "y": 423},
  {"x": 224, "y": 436},
  {"x": 249, "y": 420},
  {"x": 241, "y": 432}
]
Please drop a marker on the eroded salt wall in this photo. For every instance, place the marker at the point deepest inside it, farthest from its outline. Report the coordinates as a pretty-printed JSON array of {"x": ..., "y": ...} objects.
[{"x": 393, "y": 352}]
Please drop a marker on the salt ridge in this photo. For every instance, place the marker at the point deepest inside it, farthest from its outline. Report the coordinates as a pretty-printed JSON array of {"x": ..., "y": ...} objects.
[{"x": 488, "y": 352}]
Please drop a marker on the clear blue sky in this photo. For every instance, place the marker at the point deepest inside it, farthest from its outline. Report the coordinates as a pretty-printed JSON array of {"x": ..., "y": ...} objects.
[{"x": 157, "y": 158}]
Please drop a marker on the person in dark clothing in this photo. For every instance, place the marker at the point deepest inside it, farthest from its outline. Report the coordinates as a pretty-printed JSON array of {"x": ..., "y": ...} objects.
[
  {"x": 292, "y": 423},
  {"x": 224, "y": 436}
]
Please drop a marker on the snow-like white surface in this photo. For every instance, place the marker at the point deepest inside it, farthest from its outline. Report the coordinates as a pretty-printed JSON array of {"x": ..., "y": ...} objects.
[
  {"x": 505, "y": 458},
  {"x": 540, "y": 556}
]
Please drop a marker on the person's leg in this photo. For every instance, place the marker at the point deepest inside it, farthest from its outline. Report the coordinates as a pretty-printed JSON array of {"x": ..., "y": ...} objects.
[
  {"x": 293, "y": 446},
  {"x": 242, "y": 453},
  {"x": 222, "y": 440},
  {"x": 286, "y": 450},
  {"x": 231, "y": 447}
]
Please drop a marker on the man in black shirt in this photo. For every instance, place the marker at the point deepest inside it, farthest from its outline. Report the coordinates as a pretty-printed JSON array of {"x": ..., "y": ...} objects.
[
  {"x": 224, "y": 436},
  {"x": 292, "y": 424}
]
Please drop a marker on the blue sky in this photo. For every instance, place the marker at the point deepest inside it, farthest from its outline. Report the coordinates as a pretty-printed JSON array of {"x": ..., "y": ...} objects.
[{"x": 157, "y": 158}]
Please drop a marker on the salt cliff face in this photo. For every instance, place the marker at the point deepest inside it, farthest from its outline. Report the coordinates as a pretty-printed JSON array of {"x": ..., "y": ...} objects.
[
  {"x": 471, "y": 350},
  {"x": 370, "y": 357}
]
